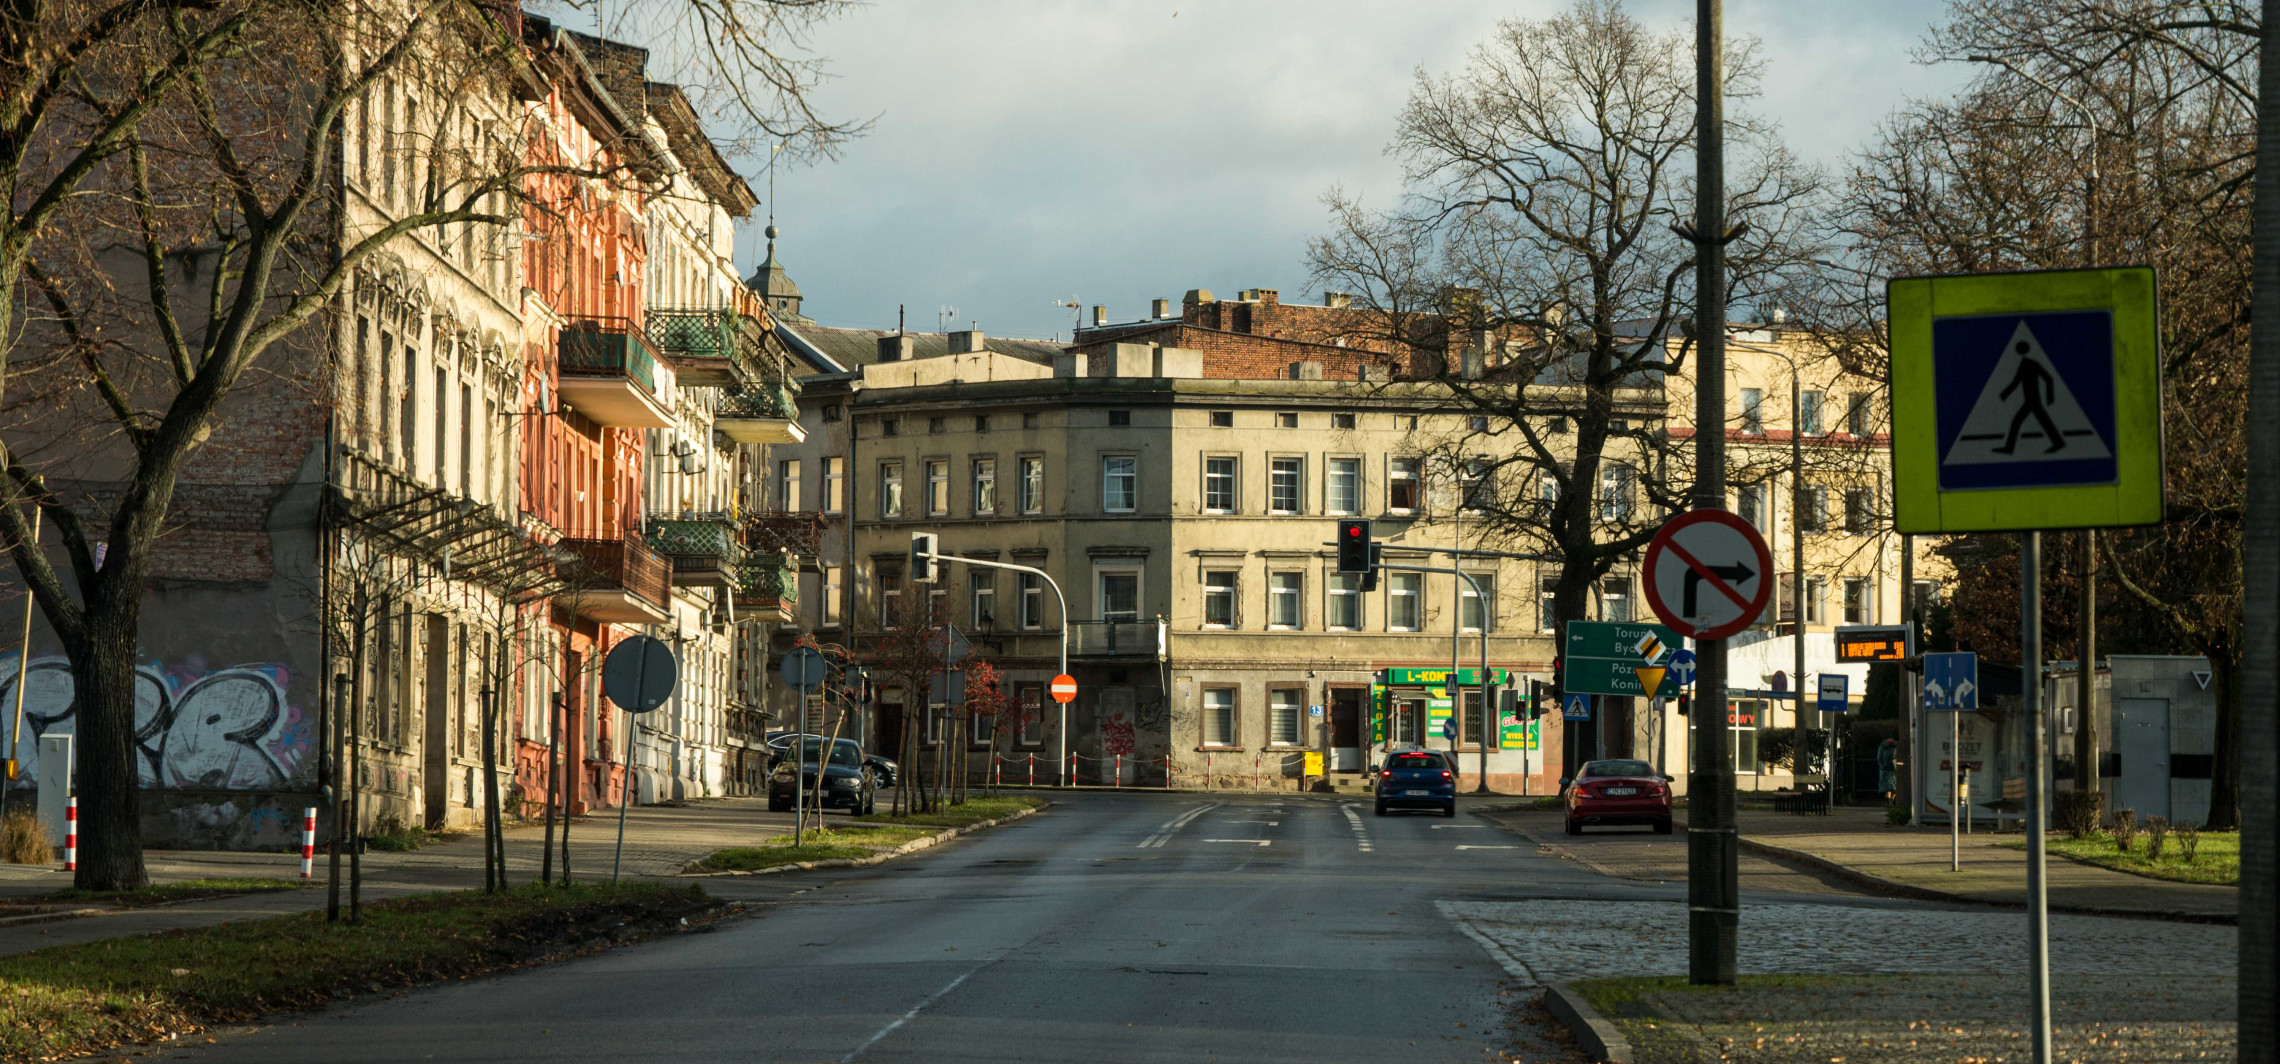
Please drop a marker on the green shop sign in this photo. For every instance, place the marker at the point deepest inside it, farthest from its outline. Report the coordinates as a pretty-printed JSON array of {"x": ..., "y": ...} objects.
[{"x": 1440, "y": 677}]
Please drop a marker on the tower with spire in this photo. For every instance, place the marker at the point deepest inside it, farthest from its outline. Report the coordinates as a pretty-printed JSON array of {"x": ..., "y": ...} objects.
[{"x": 774, "y": 287}]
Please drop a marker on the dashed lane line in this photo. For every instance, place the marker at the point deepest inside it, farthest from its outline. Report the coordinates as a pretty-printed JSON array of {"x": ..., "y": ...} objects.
[{"x": 1172, "y": 827}]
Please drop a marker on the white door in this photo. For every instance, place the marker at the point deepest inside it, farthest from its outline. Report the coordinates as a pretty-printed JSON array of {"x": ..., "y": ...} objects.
[{"x": 2141, "y": 734}]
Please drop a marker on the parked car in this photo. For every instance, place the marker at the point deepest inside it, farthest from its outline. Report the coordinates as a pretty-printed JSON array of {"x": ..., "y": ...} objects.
[
  {"x": 1619, "y": 792},
  {"x": 1417, "y": 779},
  {"x": 883, "y": 770},
  {"x": 844, "y": 781}
]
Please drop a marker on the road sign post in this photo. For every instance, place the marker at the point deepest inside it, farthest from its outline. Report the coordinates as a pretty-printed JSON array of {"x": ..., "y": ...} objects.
[{"x": 638, "y": 675}]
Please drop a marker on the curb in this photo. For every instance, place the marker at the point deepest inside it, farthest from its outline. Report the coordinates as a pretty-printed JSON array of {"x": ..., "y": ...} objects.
[
  {"x": 1594, "y": 1034},
  {"x": 1910, "y": 890},
  {"x": 913, "y": 846}
]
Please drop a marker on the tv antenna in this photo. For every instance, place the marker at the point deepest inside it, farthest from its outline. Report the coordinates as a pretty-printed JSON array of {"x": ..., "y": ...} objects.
[{"x": 943, "y": 316}]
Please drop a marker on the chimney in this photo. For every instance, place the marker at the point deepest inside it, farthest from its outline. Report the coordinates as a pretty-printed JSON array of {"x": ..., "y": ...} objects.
[
  {"x": 1266, "y": 295},
  {"x": 1306, "y": 371},
  {"x": 1337, "y": 300},
  {"x": 1197, "y": 295},
  {"x": 1159, "y": 308},
  {"x": 898, "y": 347},
  {"x": 966, "y": 341},
  {"x": 1100, "y": 315}
]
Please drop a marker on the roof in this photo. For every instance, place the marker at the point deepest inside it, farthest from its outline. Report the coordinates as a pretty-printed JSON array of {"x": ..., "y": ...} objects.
[{"x": 860, "y": 347}]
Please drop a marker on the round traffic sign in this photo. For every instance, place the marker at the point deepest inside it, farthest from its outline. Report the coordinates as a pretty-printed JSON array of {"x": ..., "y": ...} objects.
[
  {"x": 803, "y": 669},
  {"x": 638, "y": 674},
  {"x": 1708, "y": 574},
  {"x": 1064, "y": 688}
]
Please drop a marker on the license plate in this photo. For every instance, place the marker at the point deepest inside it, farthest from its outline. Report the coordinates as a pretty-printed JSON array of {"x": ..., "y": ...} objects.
[
  {"x": 1415, "y": 794},
  {"x": 1622, "y": 790}
]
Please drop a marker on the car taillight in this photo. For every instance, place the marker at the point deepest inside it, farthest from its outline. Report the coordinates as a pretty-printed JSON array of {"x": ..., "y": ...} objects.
[
  {"x": 1448, "y": 775},
  {"x": 1386, "y": 774}
]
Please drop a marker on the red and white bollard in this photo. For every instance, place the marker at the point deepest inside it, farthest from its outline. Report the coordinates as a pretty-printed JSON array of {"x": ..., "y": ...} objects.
[
  {"x": 71, "y": 834},
  {"x": 308, "y": 841},
  {"x": 1167, "y": 773},
  {"x": 997, "y": 767},
  {"x": 1120, "y": 770},
  {"x": 1072, "y": 780},
  {"x": 1033, "y": 770}
]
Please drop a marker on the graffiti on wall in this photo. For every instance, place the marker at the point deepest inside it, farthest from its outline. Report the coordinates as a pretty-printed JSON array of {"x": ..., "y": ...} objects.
[{"x": 229, "y": 728}]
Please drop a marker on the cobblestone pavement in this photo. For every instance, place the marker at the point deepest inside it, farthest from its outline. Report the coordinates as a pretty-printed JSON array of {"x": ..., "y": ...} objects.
[
  {"x": 1561, "y": 941},
  {"x": 1640, "y": 854}
]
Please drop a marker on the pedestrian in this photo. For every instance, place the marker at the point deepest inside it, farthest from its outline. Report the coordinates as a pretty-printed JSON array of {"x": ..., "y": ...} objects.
[{"x": 1887, "y": 755}]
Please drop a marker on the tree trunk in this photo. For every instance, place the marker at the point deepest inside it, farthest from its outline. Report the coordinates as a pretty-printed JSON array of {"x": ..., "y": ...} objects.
[
  {"x": 103, "y": 678},
  {"x": 1569, "y": 597},
  {"x": 2224, "y": 776}
]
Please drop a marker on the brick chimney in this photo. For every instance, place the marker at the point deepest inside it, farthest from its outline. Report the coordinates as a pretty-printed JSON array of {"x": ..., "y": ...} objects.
[
  {"x": 967, "y": 341},
  {"x": 898, "y": 347}
]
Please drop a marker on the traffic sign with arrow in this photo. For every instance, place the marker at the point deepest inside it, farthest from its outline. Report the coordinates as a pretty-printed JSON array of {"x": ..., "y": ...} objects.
[
  {"x": 1951, "y": 682},
  {"x": 1706, "y": 574}
]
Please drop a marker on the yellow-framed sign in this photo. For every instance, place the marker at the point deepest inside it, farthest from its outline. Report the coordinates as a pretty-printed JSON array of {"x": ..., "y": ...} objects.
[{"x": 2026, "y": 400}]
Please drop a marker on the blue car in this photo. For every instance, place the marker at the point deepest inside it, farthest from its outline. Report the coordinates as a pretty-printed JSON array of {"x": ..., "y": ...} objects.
[{"x": 1417, "y": 779}]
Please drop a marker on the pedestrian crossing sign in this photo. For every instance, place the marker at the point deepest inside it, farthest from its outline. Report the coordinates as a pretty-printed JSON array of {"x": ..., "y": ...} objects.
[{"x": 2025, "y": 401}]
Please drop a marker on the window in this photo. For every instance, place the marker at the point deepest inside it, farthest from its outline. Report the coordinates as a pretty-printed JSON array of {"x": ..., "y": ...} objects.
[
  {"x": 831, "y": 586},
  {"x": 1286, "y": 421},
  {"x": 1345, "y": 486},
  {"x": 1344, "y": 609},
  {"x": 890, "y": 489},
  {"x": 1477, "y": 423},
  {"x": 1119, "y": 483},
  {"x": 1282, "y": 716},
  {"x": 981, "y": 422},
  {"x": 1285, "y": 600},
  {"x": 1286, "y": 484},
  {"x": 1031, "y": 484},
  {"x": 1858, "y": 607},
  {"x": 1547, "y": 608},
  {"x": 834, "y": 485},
  {"x": 788, "y": 483},
  {"x": 1615, "y": 599},
  {"x": 937, "y": 488},
  {"x": 1809, "y": 413},
  {"x": 1857, "y": 413},
  {"x": 1219, "y": 480},
  {"x": 1753, "y": 410},
  {"x": 1480, "y": 606},
  {"x": 981, "y": 729},
  {"x": 1341, "y": 421},
  {"x": 1470, "y": 730},
  {"x": 1813, "y": 508},
  {"x": 1404, "y": 607},
  {"x": 890, "y": 597},
  {"x": 1749, "y": 505},
  {"x": 985, "y": 486},
  {"x": 1860, "y": 510},
  {"x": 832, "y": 413},
  {"x": 1615, "y": 492},
  {"x": 983, "y": 585},
  {"x": 1218, "y": 716},
  {"x": 1222, "y": 419},
  {"x": 937, "y": 425},
  {"x": 890, "y": 427},
  {"x": 1119, "y": 595},
  {"x": 1816, "y": 596},
  {"x": 442, "y": 397},
  {"x": 1032, "y": 602},
  {"x": 1548, "y": 483},
  {"x": 1032, "y": 700},
  {"x": 1119, "y": 418},
  {"x": 1028, "y": 421},
  {"x": 1401, "y": 488},
  {"x": 1219, "y": 596}
]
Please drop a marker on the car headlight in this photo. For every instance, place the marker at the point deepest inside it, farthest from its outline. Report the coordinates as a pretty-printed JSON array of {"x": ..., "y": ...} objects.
[{"x": 843, "y": 782}]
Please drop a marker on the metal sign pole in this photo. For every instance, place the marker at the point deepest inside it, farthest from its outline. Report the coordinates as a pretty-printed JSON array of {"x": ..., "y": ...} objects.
[
  {"x": 2030, "y": 700},
  {"x": 1955, "y": 790},
  {"x": 625, "y": 796}
]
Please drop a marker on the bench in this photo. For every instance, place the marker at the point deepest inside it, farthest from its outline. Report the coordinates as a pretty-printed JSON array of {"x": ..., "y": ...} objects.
[{"x": 1812, "y": 796}]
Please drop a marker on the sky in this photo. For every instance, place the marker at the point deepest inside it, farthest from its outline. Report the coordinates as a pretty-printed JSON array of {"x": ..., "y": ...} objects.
[{"x": 1027, "y": 152}]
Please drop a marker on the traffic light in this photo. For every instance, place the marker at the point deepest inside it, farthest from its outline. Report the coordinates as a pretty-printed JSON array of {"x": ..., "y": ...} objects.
[
  {"x": 1377, "y": 558},
  {"x": 1539, "y": 694},
  {"x": 923, "y": 546},
  {"x": 1354, "y": 545}
]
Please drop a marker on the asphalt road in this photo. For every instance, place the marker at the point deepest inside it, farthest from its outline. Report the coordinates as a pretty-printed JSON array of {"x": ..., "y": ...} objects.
[{"x": 1114, "y": 927}]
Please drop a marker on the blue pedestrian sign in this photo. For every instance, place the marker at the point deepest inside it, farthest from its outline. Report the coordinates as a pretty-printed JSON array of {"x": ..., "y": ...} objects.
[
  {"x": 1951, "y": 682},
  {"x": 1575, "y": 707},
  {"x": 2025, "y": 401},
  {"x": 1682, "y": 667}
]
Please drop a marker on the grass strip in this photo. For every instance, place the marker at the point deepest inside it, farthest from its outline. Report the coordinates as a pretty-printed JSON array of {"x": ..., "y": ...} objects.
[
  {"x": 168, "y": 893},
  {"x": 2216, "y": 861},
  {"x": 72, "y": 1000},
  {"x": 971, "y": 811},
  {"x": 854, "y": 840}
]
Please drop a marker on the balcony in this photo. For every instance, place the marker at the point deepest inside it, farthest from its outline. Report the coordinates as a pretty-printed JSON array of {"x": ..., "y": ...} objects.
[
  {"x": 608, "y": 372},
  {"x": 1117, "y": 639},
  {"x": 619, "y": 581},
  {"x": 798, "y": 532},
  {"x": 709, "y": 348},
  {"x": 763, "y": 412},
  {"x": 703, "y": 548},
  {"x": 767, "y": 589}
]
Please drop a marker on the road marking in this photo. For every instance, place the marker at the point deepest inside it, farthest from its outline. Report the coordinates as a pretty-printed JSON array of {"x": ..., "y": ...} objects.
[
  {"x": 1488, "y": 847},
  {"x": 1171, "y": 827},
  {"x": 1354, "y": 820},
  {"x": 1269, "y": 823},
  {"x": 1452, "y": 827},
  {"x": 1246, "y": 842},
  {"x": 914, "y": 1011}
]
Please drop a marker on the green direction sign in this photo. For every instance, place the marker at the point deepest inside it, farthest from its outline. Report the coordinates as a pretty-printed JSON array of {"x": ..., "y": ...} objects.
[
  {"x": 2026, "y": 400},
  {"x": 1610, "y": 676},
  {"x": 1440, "y": 677},
  {"x": 1619, "y": 639}
]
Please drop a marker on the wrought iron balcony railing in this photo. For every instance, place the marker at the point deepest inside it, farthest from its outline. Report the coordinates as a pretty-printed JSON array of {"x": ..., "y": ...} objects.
[
  {"x": 1116, "y": 638},
  {"x": 605, "y": 565},
  {"x": 711, "y": 346},
  {"x": 776, "y": 531},
  {"x": 606, "y": 347},
  {"x": 704, "y": 548},
  {"x": 766, "y": 584},
  {"x": 764, "y": 400}
]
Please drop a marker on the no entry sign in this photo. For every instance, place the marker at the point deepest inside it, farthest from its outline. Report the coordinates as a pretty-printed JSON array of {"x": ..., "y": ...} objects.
[
  {"x": 1064, "y": 688},
  {"x": 1708, "y": 574}
]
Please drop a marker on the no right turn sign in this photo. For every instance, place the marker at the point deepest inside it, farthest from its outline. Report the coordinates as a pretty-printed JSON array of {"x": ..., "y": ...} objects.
[{"x": 1708, "y": 574}]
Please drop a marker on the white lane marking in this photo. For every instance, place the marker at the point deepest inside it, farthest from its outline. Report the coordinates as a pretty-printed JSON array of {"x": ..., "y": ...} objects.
[
  {"x": 1269, "y": 823},
  {"x": 1245, "y": 842},
  {"x": 1503, "y": 957},
  {"x": 1171, "y": 827},
  {"x": 1488, "y": 847},
  {"x": 1454, "y": 827},
  {"x": 914, "y": 1011},
  {"x": 1354, "y": 820}
]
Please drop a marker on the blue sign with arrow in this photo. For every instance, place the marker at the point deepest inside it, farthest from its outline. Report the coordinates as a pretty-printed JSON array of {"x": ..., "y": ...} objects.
[
  {"x": 1575, "y": 707},
  {"x": 1682, "y": 667},
  {"x": 1951, "y": 682}
]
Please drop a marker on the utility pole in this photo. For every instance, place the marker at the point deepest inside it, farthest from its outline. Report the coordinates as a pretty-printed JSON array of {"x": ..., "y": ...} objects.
[
  {"x": 1713, "y": 888},
  {"x": 2260, "y": 661}
]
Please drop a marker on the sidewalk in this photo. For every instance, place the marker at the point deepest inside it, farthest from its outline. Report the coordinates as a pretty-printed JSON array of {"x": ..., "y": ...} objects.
[
  {"x": 1854, "y": 846},
  {"x": 659, "y": 842}
]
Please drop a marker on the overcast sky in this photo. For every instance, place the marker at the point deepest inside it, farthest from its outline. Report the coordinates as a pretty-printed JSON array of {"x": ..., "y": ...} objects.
[{"x": 1114, "y": 151}]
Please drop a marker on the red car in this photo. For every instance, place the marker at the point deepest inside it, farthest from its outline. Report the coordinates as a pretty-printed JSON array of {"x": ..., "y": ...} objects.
[{"x": 1619, "y": 792}]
